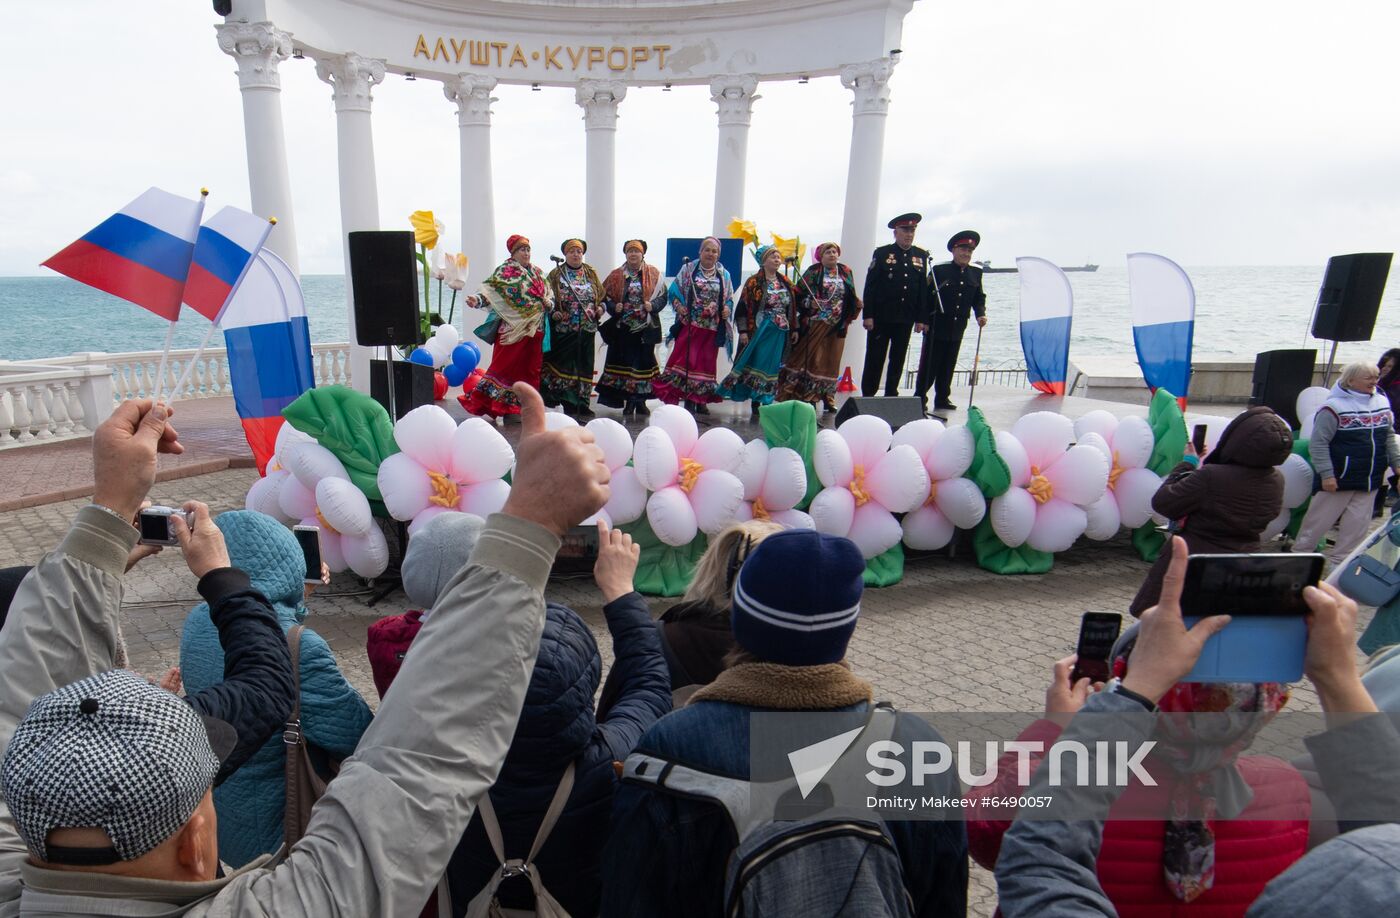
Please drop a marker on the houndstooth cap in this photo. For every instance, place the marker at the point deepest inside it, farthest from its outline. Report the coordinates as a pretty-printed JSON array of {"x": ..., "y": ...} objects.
[{"x": 111, "y": 751}]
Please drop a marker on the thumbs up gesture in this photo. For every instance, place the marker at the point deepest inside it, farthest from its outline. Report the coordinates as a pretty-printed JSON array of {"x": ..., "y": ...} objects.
[{"x": 560, "y": 476}]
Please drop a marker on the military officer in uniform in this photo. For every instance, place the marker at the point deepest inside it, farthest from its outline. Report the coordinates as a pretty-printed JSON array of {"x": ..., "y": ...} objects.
[
  {"x": 956, "y": 294},
  {"x": 896, "y": 299}
]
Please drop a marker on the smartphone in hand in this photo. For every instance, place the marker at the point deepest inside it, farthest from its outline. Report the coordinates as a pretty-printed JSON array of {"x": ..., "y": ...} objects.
[
  {"x": 1198, "y": 439},
  {"x": 1098, "y": 632},
  {"x": 309, "y": 538}
]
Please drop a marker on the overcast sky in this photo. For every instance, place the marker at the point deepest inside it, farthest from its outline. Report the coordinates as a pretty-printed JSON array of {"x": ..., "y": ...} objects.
[{"x": 1246, "y": 132}]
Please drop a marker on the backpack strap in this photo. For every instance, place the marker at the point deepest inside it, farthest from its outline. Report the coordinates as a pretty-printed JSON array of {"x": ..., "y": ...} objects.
[
  {"x": 551, "y": 816},
  {"x": 292, "y": 740}
]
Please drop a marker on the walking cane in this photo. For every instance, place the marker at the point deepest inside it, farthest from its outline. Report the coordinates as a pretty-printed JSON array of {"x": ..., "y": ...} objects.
[{"x": 976, "y": 355}]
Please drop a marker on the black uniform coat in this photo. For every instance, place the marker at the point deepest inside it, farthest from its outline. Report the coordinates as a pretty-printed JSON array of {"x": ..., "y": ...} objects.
[
  {"x": 896, "y": 286},
  {"x": 959, "y": 290}
]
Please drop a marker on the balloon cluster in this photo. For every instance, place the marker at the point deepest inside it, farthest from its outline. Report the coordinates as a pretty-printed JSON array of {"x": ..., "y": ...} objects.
[{"x": 446, "y": 349}]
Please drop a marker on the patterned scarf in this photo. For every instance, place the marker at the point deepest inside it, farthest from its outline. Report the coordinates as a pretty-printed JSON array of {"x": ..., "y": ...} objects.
[
  {"x": 681, "y": 294},
  {"x": 563, "y": 298},
  {"x": 520, "y": 298},
  {"x": 615, "y": 287},
  {"x": 810, "y": 287}
]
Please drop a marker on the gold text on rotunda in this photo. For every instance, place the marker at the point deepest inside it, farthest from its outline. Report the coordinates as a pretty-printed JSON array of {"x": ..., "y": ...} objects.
[{"x": 617, "y": 58}]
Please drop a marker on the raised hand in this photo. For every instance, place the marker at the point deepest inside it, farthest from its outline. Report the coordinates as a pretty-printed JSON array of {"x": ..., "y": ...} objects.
[
  {"x": 560, "y": 477},
  {"x": 124, "y": 450},
  {"x": 617, "y": 562}
]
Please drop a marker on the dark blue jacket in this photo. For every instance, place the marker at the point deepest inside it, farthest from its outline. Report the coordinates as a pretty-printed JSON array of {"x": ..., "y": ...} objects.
[
  {"x": 667, "y": 855},
  {"x": 557, "y": 726}
]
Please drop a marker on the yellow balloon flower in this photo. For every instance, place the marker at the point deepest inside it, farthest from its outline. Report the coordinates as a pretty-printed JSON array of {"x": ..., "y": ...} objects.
[
  {"x": 791, "y": 249},
  {"x": 743, "y": 229},
  {"x": 426, "y": 230}
]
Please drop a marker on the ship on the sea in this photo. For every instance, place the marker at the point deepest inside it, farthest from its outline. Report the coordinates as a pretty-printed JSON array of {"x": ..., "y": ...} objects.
[{"x": 987, "y": 268}]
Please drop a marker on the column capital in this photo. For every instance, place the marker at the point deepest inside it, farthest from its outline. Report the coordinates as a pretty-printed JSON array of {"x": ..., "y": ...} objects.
[
  {"x": 598, "y": 99},
  {"x": 472, "y": 93},
  {"x": 258, "y": 47},
  {"x": 735, "y": 97},
  {"x": 870, "y": 82},
  {"x": 352, "y": 78}
]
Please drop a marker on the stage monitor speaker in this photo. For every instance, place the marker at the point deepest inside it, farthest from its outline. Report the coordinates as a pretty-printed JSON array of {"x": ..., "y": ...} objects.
[
  {"x": 413, "y": 386},
  {"x": 1351, "y": 296},
  {"x": 1278, "y": 378},
  {"x": 384, "y": 281},
  {"x": 898, "y": 410}
]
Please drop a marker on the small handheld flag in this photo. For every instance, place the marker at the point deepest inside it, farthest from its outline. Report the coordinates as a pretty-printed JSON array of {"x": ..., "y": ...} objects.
[
  {"x": 141, "y": 253},
  {"x": 223, "y": 252}
]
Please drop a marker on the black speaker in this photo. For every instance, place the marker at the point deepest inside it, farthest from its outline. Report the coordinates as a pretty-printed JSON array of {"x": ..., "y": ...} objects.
[
  {"x": 897, "y": 409},
  {"x": 384, "y": 281},
  {"x": 1278, "y": 378},
  {"x": 413, "y": 386},
  {"x": 1351, "y": 296}
]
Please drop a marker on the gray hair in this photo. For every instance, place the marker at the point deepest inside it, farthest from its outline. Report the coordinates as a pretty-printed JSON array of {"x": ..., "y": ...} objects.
[{"x": 1351, "y": 371}]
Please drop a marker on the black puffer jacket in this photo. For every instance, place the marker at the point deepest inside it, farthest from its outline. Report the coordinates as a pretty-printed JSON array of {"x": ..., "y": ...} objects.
[
  {"x": 1228, "y": 502},
  {"x": 557, "y": 726}
]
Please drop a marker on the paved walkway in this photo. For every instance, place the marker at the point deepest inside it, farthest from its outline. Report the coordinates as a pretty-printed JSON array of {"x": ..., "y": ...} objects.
[{"x": 949, "y": 638}]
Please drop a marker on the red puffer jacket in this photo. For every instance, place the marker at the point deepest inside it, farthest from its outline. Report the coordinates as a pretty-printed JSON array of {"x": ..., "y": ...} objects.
[{"x": 1251, "y": 850}]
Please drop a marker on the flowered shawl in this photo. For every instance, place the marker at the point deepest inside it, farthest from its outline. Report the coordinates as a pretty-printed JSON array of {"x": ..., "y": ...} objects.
[
  {"x": 615, "y": 288},
  {"x": 751, "y": 298},
  {"x": 556, "y": 283},
  {"x": 681, "y": 295},
  {"x": 519, "y": 300},
  {"x": 810, "y": 285}
]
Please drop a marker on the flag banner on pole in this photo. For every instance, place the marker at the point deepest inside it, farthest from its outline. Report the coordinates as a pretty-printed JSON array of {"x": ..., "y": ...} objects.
[
  {"x": 223, "y": 252},
  {"x": 269, "y": 350},
  {"x": 141, "y": 253},
  {"x": 1164, "y": 321},
  {"x": 1047, "y": 308}
]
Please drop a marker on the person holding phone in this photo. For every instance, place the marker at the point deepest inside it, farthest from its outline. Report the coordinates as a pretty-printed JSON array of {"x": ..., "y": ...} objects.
[
  {"x": 1353, "y": 443},
  {"x": 1222, "y": 503}
]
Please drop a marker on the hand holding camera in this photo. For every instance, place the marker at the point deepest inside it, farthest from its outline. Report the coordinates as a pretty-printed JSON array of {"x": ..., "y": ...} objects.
[{"x": 199, "y": 538}]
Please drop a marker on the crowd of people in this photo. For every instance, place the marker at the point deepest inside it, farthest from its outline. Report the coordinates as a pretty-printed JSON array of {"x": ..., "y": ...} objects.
[
  {"x": 504, "y": 772},
  {"x": 786, "y": 326}
]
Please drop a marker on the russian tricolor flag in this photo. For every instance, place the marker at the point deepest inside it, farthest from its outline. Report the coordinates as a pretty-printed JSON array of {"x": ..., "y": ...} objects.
[
  {"x": 141, "y": 253},
  {"x": 269, "y": 350},
  {"x": 1164, "y": 321},
  {"x": 1047, "y": 309},
  {"x": 223, "y": 253}
]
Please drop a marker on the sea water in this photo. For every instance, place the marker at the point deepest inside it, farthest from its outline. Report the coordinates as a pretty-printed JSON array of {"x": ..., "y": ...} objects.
[{"x": 1239, "y": 312}]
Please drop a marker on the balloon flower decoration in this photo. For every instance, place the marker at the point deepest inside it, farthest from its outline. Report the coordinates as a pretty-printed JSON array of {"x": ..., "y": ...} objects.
[
  {"x": 629, "y": 498},
  {"x": 1052, "y": 483},
  {"x": 866, "y": 481},
  {"x": 775, "y": 481},
  {"x": 1127, "y": 444},
  {"x": 444, "y": 467},
  {"x": 310, "y": 487},
  {"x": 691, "y": 477},
  {"x": 952, "y": 502}
]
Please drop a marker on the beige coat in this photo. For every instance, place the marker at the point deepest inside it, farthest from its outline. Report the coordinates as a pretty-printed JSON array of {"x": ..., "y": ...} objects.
[{"x": 381, "y": 837}]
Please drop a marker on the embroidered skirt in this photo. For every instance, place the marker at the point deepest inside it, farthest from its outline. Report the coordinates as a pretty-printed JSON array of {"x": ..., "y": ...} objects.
[
  {"x": 755, "y": 374},
  {"x": 629, "y": 371},
  {"x": 690, "y": 372},
  {"x": 510, "y": 364},
  {"x": 566, "y": 377},
  {"x": 814, "y": 365}
]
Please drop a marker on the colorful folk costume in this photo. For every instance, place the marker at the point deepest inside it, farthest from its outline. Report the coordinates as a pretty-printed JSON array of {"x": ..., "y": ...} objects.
[
  {"x": 766, "y": 315},
  {"x": 826, "y": 305},
  {"x": 519, "y": 302},
  {"x": 567, "y": 376},
  {"x": 699, "y": 300},
  {"x": 631, "y": 334}
]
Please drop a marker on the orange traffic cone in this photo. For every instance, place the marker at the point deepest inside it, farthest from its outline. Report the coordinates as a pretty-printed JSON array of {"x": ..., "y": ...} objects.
[{"x": 846, "y": 384}]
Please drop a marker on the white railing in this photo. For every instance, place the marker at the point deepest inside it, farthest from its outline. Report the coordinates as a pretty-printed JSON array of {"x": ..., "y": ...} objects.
[{"x": 60, "y": 398}]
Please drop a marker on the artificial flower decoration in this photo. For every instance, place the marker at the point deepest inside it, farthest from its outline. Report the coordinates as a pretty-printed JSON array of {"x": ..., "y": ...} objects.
[
  {"x": 455, "y": 271},
  {"x": 953, "y": 501},
  {"x": 444, "y": 467},
  {"x": 629, "y": 498},
  {"x": 866, "y": 481},
  {"x": 691, "y": 477},
  {"x": 1298, "y": 476},
  {"x": 1127, "y": 443},
  {"x": 792, "y": 249},
  {"x": 426, "y": 229},
  {"x": 743, "y": 229},
  {"x": 775, "y": 481},
  {"x": 1052, "y": 483}
]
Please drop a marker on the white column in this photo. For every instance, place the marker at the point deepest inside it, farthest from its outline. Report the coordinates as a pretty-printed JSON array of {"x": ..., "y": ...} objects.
[
  {"x": 734, "y": 95},
  {"x": 599, "y": 99},
  {"x": 472, "y": 93},
  {"x": 352, "y": 78},
  {"x": 870, "y": 84},
  {"x": 259, "y": 47}
]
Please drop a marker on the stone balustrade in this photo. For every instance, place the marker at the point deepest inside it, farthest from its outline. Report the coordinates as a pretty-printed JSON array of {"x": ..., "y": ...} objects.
[{"x": 62, "y": 398}]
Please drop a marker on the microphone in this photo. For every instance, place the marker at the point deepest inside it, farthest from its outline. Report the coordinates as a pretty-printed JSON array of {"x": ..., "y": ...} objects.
[
  {"x": 556, "y": 259},
  {"x": 685, "y": 261}
]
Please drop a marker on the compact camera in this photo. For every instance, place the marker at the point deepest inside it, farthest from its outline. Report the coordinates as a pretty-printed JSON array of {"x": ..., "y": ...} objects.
[{"x": 155, "y": 525}]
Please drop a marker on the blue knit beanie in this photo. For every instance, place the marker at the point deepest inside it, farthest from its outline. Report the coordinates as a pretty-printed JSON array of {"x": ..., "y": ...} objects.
[{"x": 797, "y": 598}]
